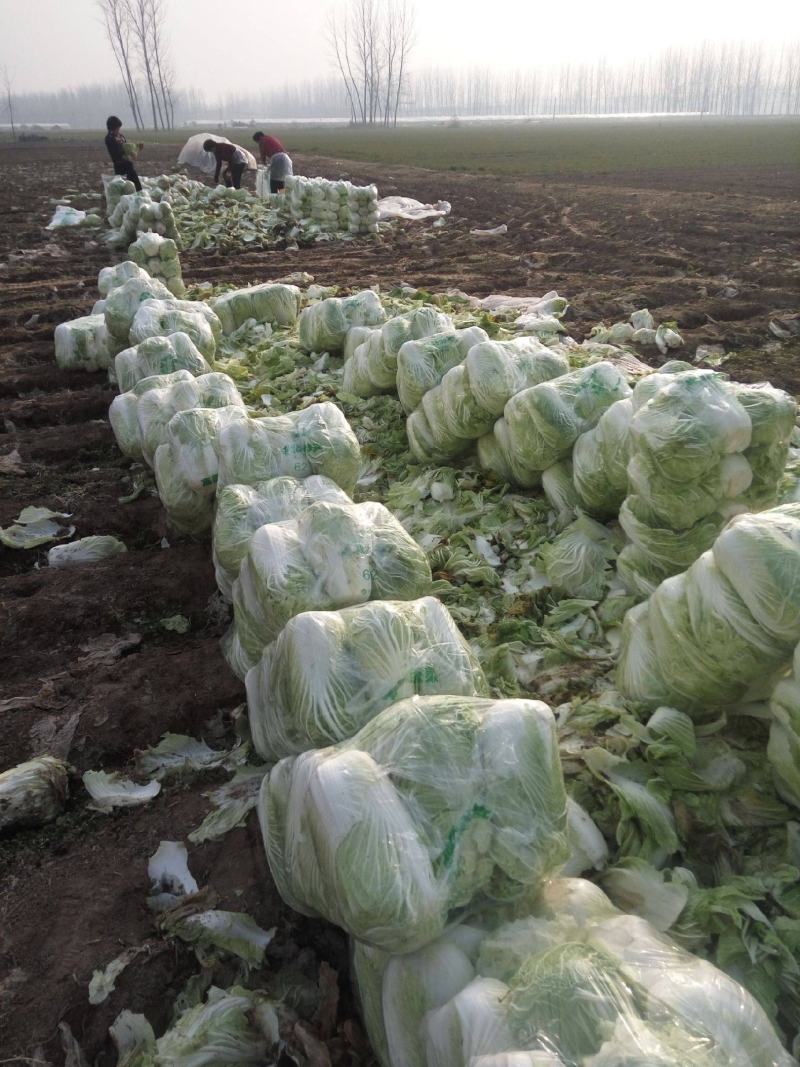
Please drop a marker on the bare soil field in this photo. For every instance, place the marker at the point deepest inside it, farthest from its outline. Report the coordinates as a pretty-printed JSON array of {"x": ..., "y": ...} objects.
[{"x": 88, "y": 672}]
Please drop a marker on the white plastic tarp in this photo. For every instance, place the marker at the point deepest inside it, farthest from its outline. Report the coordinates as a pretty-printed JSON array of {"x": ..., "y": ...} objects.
[
  {"x": 193, "y": 155},
  {"x": 403, "y": 207}
]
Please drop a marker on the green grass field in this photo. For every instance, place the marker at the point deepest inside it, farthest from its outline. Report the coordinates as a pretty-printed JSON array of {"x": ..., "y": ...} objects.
[{"x": 538, "y": 148}]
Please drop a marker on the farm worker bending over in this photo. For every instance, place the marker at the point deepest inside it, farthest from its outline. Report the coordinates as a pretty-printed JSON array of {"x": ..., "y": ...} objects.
[
  {"x": 280, "y": 165},
  {"x": 121, "y": 152},
  {"x": 231, "y": 154}
]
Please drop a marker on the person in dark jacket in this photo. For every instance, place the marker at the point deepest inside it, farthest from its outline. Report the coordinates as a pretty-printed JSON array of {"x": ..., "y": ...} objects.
[
  {"x": 231, "y": 154},
  {"x": 115, "y": 143},
  {"x": 280, "y": 165}
]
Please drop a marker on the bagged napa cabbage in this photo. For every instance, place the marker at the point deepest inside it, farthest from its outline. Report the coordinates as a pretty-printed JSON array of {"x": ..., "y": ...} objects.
[
  {"x": 241, "y": 509},
  {"x": 436, "y": 802},
  {"x": 83, "y": 343},
  {"x": 372, "y": 367},
  {"x": 159, "y": 257},
  {"x": 32, "y": 793},
  {"x": 568, "y": 979},
  {"x": 691, "y": 446},
  {"x": 160, "y": 318},
  {"x": 111, "y": 278},
  {"x": 600, "y": 461},
  {"x": 124, "y": 301},
  {"x": 707, "y": 637},
  {"x": 271, "y": 302},
  {"x": 783, "y": 748},
  {"x": 472, "y": 395},
  {"x": 541, "y": 424},
  {"x": 329, "y": 672},
  {"x": 577, "y": 560},
  {"x": 323, "y": 326},
  {"x": 139, "y": 418},
  {"x": 422, "y": 364},
  {"x": 316, "y": 440},
  {"x": 158, "y": 356},
  {"x": 186, "y": 465},
  {"x": 331, "y": 556}
]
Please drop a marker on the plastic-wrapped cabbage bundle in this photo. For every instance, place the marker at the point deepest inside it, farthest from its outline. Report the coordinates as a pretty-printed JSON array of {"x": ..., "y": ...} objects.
[
  {"x": 422, "y": 364},
  {"x": 372, "y": 367},
  {"x": 124, "y": 301},
  {"x": 576, "y": 561},
  {"x": 772, "y": 414},
  {"x": 241, "y": 509},
  {"x": 139, "y": 418},
  {"x": 113, "y": 277},
  {"x": 315, "y": 440},
  {"x": 115, "y": 188},
  {"x": 160, "y": 318},
  {"x": 783, "y": 748},
  {"x": 471, "y": 396},
  {"x": 541, "y": 424},
  {"x": 706, "y": 637},
  {"x": 331, "y": 556},
  {"x": 83, "y": 343},
  {"x": 691, "y": 444},
  {"x": 159, "y": 257},
  {"x": 571, "y": 981},
  {"x": 436, "y": 802},
  {"x": 323, "y": 326},
  {"x": 330, "y": 672},
  {"x": 186, "y": 465},
  {"x": 600, "y": 461},
  {"x": 272, "y": 302},
  {"x": 158, "y": 356}
]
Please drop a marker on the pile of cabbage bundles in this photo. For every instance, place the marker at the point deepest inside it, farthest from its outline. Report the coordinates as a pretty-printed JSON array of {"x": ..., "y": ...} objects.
[
  {"x": 719, "y": 632},
  {"x": 331, "y": 206},
  {"x": 159, "y": 257},
  {"x": 559, "y": 979},
  {"x": 137, "y": 212},
  {"x": 640, "y": 329}
]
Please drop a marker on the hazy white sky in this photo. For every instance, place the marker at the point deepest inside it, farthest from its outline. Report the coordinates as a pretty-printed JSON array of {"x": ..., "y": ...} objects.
[{"x": 220, "y": 45}]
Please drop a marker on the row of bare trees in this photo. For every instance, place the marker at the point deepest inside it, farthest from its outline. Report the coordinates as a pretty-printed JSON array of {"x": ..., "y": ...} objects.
[
  {"x": 135, "y": 30},
  {"x": 371, "y": 41}
]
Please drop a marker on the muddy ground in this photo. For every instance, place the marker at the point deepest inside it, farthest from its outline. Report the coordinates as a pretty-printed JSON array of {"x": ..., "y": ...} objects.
[{"x": 88, "y": 672}]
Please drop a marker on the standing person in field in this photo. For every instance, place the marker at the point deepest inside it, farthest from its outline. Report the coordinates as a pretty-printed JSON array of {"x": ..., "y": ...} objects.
[
  {"x": 119, "y": 150},
  {"x": 280, "y": 165},
  {"x": 231, "y": 154}
]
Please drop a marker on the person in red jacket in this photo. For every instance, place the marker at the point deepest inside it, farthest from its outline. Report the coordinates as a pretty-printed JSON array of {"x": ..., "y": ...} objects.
[
  {"x": 231, "y": 154},
  {"x": 280, "y": 165}
]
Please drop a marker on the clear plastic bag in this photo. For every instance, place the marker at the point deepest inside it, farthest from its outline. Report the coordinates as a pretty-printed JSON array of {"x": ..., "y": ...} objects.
[
  {"x": 436, "y": 803},
  {"x": 329, "y": 672}
]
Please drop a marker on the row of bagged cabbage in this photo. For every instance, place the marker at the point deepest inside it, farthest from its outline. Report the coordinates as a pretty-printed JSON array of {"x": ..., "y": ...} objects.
[
  {"x": 674, "y": 457},
  {"x": 464, "y": 774},
  {"x": 333, "y": 206}
]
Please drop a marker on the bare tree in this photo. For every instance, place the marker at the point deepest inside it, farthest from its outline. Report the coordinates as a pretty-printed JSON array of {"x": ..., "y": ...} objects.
[
  {"x": 371, "y": 43},
  {"x": 147, "y": 22},
  {"x": 8, "y": 90},
  {"x": 117, "y": 22}
]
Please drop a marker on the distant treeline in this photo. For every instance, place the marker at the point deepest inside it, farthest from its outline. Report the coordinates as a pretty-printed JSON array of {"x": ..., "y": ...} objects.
[{"x": 724, "y": 79}]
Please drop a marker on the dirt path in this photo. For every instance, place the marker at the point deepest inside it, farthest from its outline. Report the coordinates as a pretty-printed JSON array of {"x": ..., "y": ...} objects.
[{"x": 85, "y": 649}]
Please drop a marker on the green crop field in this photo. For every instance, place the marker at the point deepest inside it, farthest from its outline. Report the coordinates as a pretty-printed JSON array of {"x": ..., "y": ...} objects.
[{"x": 537, "y": 147}]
